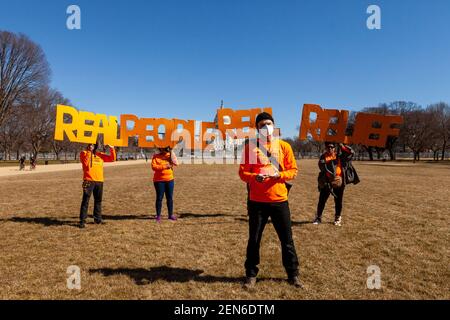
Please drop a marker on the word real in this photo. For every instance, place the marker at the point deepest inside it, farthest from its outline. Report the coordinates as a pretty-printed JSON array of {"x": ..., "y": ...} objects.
[
  {"x": 331, "y": 125},
  {"x": 85, "y": 127}
]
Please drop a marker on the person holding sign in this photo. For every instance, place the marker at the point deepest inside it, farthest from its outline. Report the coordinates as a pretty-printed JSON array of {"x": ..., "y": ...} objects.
[
  {"x": 332, "y": 178},
  {"x": 163, "y": 180},
  {"x": 92, "y": 164},
  {"x": 267, "y": 164}
]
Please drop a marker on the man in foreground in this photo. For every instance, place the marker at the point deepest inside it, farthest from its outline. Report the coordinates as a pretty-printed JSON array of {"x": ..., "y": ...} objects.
[{"x": 267, "y": 164}]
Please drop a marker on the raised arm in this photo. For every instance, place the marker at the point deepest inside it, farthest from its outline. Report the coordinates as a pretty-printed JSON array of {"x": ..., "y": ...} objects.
[
  {"x": 173, "y": 158},
  {"x": 84, "y": 158},
  {"x": 107, "y": 158},
  {"x": 346, "y": 152}
]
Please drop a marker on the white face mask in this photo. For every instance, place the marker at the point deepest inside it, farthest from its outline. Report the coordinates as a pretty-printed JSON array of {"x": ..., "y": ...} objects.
[{"x": 266, "y": 130}]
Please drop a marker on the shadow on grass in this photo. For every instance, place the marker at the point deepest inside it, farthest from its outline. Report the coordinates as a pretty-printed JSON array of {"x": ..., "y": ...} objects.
[
  {"x": 143, "y": 276},
  {"x": 300, "y": 223},
  {"x": 126, "y": 217},
  {"x": 189, "y": 215},
  {"x": 45, "y": 221},
  {"x": 294, "y": 223}
]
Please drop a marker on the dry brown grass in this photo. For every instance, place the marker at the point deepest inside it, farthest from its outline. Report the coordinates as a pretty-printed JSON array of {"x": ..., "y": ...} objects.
[{"x": 397, "y": 218}]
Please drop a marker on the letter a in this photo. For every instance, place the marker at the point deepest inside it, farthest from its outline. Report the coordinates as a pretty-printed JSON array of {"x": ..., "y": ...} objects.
[
  {"x": 74, "y": 20},
  {"x": 374, "y": 21}
]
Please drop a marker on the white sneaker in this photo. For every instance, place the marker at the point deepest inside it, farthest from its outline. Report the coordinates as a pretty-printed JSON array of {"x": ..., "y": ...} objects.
[
  {"x": 338, "y": 222},
  {"x": 317, "y": 221}
]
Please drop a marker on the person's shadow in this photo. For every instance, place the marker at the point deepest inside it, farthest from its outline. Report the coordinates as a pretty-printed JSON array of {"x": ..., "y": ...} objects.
[
  {"x": 189, "y": 215},
  {"x": 45, "y": 221},
  {"x": 126, "y": 217},
  {"x": 143, "y": 276},
  {"x": 300, "y": 223}
]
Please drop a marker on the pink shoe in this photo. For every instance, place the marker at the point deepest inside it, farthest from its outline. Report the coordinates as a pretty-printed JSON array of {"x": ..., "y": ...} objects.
[
  {"x": 158, "y": 219},
  {"x": 173, "y": 218}
]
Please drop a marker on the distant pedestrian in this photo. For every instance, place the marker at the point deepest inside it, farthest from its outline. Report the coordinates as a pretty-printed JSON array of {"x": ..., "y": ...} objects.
[
  {"x": 22, "y": 163},
  {"x": 32, "y": 163}
]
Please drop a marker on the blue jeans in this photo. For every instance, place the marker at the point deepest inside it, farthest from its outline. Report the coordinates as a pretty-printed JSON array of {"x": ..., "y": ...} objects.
[{"x": 161, "y": 188}]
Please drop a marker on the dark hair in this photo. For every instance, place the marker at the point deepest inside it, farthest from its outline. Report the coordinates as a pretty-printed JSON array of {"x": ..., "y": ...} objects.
[
  {"x": 166, "y": 149},
  {"x": 263, "y": 116}
]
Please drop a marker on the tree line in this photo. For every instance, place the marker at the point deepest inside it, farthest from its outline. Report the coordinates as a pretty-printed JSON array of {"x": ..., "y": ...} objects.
[
  {"x": 28, "y": 104},
  {"x": 424, "y": 129}
]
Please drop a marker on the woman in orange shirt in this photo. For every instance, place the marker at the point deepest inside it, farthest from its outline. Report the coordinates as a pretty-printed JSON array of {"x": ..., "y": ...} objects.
[
  {"x": 163, "y": 180},
  {"x": 332, "y": 179}
]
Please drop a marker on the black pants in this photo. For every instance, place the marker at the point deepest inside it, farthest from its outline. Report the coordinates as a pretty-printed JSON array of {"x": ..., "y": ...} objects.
[
  {"x": 90, "y": 187},
  {"x": 280, "y": 215},
  {"x": 325, "y": 194}
]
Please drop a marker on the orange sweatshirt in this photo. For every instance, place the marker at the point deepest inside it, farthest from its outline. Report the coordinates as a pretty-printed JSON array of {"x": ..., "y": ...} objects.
[
  {"x": 255, "y": 162},
  {"x": 159, "y": 166},
  {"x": 93, "y": 166},
  {"x": 331, "y": 157}
]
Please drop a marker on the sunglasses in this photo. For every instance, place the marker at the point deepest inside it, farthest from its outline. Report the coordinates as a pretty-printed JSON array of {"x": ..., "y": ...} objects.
[{"x": 330, "y": 147}]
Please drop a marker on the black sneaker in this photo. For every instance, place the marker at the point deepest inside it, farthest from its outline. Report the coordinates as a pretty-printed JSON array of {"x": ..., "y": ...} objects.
[
  {"x": 295, "y": 281},
  {"x": 99, "y": 222},
  {"x": 82, "y": 225}
]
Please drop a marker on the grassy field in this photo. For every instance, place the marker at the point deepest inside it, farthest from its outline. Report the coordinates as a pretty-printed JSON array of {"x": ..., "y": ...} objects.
[{"x": 397, "y": 218}]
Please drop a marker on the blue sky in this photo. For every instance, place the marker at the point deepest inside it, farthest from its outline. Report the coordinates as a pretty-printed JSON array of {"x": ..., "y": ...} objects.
[{"x": 178, "y": 59}]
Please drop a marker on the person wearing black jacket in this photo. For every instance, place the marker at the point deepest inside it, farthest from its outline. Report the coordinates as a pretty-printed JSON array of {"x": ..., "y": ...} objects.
[{"x": 335, "y": 172}]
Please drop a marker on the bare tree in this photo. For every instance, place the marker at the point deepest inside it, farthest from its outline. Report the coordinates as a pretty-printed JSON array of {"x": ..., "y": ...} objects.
[
  {"x": 417, "y": 131},
  {"x": 393, "y": 108},
  {"x": 23, "y": 68},
  {"x": 296, "y": 145},
  {"x": 12, "y": 131},
  {"x": 40, "y": 117},
  {"x": 441, "y": 119},
  {"x": 59, "y": 146}
]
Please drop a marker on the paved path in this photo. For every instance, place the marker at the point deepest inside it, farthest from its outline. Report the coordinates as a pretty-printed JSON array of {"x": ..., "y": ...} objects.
[{"x": 13, "y": 171}]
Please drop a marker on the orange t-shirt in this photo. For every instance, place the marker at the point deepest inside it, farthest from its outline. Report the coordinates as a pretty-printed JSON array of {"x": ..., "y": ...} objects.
[
  {"x": 93, "y": 166},
  {"x": 159, "y": 164},
  {"x": 255, "y": 162},
  {"x": 332, "y": 157}
]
